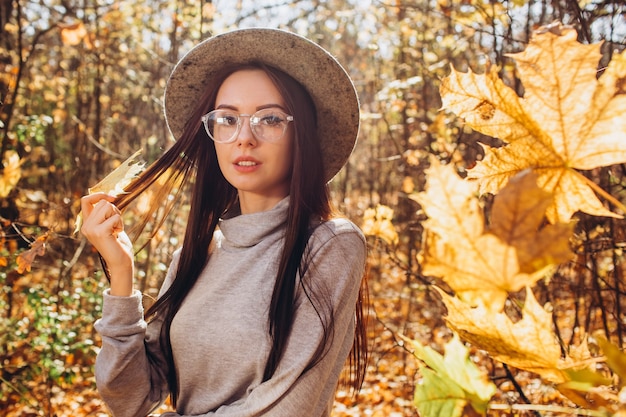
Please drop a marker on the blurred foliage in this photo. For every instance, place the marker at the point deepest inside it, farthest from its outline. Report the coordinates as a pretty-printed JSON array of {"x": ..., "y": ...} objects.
[{"x": 81, "y": 86}]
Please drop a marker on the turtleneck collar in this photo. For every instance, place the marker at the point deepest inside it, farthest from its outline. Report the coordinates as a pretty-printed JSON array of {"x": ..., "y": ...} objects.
[{"x": 246, "y": 230}]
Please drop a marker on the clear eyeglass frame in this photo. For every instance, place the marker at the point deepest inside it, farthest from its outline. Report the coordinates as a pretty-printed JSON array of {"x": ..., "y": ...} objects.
[{"x": 224, "y": 126}]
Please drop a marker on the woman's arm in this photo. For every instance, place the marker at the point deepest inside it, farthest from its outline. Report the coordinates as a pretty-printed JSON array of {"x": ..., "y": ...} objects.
[
  {"x": 130, "y": 368},
  {"x": 128, "y": 380}
]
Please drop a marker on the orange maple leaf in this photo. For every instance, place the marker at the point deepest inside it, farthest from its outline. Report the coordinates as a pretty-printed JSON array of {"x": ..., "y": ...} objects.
[
  {"x": 37, "y": 248},
  {"x": 568, "y": 120},
  {"x": 517, "y": 217}
]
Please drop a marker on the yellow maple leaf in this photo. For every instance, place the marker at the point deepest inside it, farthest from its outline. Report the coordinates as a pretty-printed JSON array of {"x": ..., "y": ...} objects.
[
  {"x": 115, "y": 182},
  {"x": 568, "y": 120},
  {"x": 11, "y": 173},
  {"x": 453, "y": 211},
  {"x": 528, "y": 344},
  {"x": 378, "y": 222},
  {"x": 484, "y": 274},
  {"x": 484, "y": 265}
]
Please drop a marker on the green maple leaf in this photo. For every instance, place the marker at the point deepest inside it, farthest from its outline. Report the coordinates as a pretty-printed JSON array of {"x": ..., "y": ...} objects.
[{"x": 450, "y": 382}]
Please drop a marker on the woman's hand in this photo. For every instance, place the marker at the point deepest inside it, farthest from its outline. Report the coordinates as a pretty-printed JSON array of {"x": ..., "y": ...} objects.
[{"x": 104, "y": 228}]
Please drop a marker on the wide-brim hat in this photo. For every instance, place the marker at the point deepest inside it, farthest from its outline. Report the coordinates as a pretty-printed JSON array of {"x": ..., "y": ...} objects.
[{"x": 327, "y": 82}]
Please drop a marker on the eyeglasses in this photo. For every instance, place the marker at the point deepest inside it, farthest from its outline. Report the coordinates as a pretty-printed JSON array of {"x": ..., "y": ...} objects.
[{"x": 268, "y": 125}]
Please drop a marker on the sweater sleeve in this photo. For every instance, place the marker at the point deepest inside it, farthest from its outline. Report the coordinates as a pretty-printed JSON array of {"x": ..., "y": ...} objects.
[
  {"x": 130, "y": 370},
  {"x": 335, "y": 268}
]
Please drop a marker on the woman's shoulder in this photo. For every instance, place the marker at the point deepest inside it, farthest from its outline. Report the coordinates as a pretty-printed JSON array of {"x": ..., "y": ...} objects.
[
  {"x": 340, "y": 225},
  {"x": 337, "y": 244},
  {"x": 337, "y": 227}
]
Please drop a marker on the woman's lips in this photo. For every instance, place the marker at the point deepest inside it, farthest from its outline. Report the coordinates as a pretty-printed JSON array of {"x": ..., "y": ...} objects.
[{"x": 246, "y": 164}]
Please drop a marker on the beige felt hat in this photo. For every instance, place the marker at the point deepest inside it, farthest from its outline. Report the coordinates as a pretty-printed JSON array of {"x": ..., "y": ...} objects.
[{"x": 325, "y": 79}]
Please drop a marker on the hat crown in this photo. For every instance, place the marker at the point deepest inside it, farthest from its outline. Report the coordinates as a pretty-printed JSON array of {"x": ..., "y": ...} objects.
[{"x": 327, "y": 82}]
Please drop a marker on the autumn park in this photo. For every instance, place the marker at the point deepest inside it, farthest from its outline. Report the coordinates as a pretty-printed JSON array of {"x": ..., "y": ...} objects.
[{"x": 489, "y": 178}]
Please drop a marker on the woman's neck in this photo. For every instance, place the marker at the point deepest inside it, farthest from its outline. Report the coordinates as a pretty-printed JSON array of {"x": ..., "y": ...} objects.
[{"x": 254, "y": 203}]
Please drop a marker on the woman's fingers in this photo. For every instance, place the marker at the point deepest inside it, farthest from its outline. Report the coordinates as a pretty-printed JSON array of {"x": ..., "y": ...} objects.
[
  {"x": 98, "y": 208},
  {"x": 105, "y": 224},
  {"x": 102, "y": 220},
  {"x": 88, "y": 202},
  {"x": 104, "y": 228},
  {"x": 104, "y": 210}
]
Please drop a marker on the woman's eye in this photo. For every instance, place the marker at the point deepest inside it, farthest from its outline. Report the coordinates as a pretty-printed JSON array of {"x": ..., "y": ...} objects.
[
  {"x": 271, "y": 119},
  {"x": 227, "y": 120}
]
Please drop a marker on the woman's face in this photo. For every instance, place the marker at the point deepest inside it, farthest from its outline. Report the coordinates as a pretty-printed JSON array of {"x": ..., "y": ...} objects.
[{"x": 259, "y": 170}]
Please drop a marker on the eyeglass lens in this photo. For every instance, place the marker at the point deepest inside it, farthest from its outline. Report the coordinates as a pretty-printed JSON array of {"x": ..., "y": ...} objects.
[{"x": 224, "y": 125}]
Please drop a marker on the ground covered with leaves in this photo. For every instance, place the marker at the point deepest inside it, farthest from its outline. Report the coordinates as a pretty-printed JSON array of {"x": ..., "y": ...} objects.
[{"x": 65, "y": 387}]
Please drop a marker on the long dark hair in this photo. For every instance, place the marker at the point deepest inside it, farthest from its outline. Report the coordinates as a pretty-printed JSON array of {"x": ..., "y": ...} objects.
[{"x": 192, "y": 160}]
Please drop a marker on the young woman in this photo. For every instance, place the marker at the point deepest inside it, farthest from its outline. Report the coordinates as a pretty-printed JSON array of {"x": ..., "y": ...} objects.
[{"x": 262, "y": 305}]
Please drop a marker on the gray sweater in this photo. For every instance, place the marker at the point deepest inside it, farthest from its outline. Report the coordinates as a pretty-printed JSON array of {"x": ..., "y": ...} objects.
[{"x": 220, "y": 338}]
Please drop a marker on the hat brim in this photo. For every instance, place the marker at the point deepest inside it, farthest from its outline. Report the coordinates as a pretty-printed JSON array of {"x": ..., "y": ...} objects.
[{"x": 327, "y": 82}]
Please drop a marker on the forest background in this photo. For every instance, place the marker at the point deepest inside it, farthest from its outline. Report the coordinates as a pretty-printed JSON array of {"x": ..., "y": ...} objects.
[{"x": 81, "y": 87}]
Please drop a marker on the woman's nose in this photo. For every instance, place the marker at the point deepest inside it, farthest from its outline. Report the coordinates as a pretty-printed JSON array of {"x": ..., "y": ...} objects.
[{"x": 246, "y": 136}]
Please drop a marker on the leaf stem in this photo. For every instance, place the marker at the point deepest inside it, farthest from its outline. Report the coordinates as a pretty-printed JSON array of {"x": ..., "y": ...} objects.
[
  {"x": 518, "y": 388},
  {"x": 603, "y": 193},
  {"x": 549, "y": 408}
]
